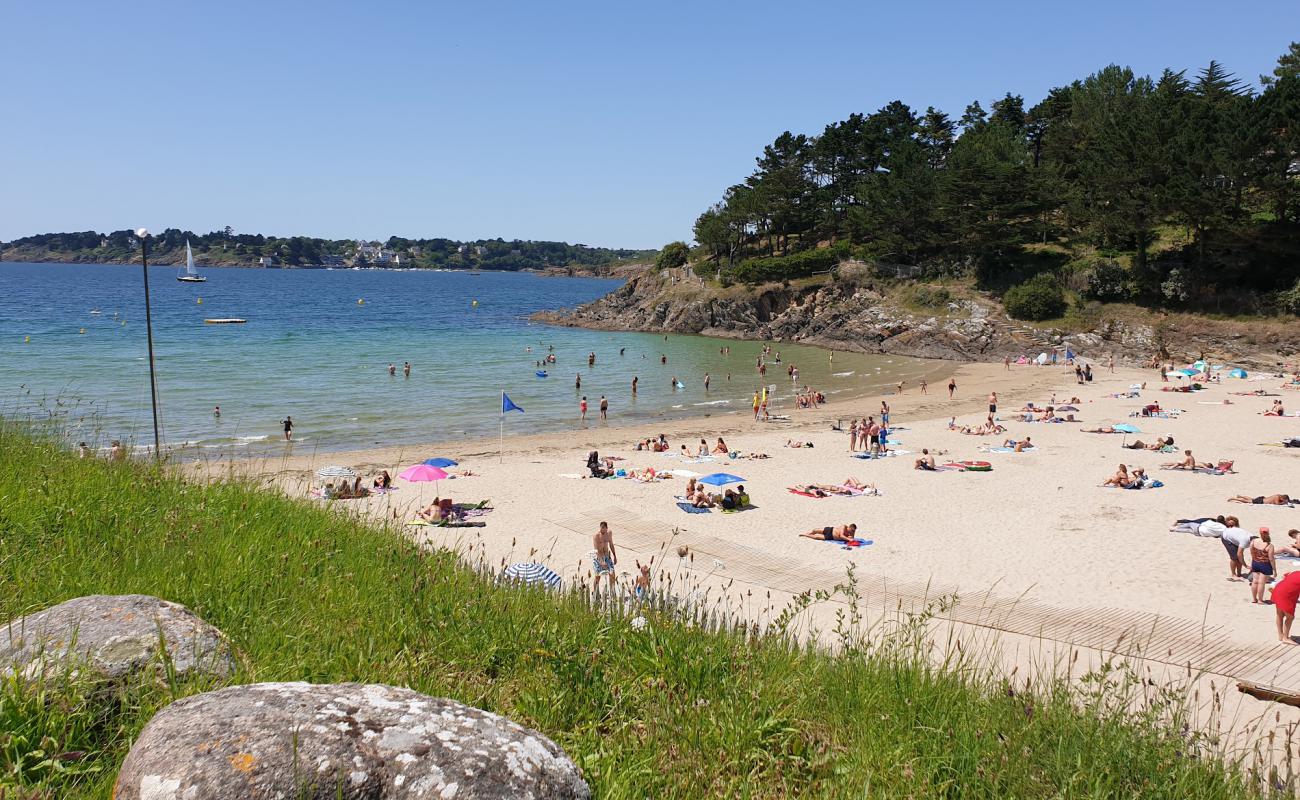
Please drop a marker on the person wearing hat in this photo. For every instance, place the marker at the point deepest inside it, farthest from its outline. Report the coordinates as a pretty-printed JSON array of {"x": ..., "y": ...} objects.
[{"x": 1263, "y": 564}]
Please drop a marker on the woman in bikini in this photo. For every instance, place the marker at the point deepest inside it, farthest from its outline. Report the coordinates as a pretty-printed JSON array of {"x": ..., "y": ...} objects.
[
  {"x": 1263, "y": 565},
  {"x": 1120, "y": 478}
]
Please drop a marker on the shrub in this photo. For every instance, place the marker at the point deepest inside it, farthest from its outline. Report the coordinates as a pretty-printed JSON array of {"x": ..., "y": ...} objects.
[
  {"x": 930, "y": 296},
  {"x": 672, "y": 256},
  {"x": 1107, "y": 282},
  {"x": 1040, "y": 297},
  {"x": 795, "y": 265},
  {"x": 1290, "y": 299}
]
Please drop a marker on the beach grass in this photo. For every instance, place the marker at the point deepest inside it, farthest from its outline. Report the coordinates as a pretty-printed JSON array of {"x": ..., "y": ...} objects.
[{"x": 688, "y": 706}]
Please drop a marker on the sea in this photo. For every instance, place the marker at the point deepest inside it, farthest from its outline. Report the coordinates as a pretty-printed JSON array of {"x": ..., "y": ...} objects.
[{"x": 317, "y": 346}]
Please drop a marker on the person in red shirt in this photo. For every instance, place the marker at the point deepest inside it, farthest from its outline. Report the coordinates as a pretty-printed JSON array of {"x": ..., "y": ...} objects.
[{"x": 1284, "y": 597}]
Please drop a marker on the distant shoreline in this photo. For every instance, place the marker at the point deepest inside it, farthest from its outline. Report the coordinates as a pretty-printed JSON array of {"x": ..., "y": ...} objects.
[{"x": 549, "y": 272}]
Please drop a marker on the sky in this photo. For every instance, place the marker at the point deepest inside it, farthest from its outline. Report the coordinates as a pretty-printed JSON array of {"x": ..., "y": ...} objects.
[{"x": 605, "y": 123}]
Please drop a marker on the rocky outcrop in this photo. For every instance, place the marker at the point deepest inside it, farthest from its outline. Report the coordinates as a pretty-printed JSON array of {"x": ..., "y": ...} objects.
[
  {"x": 115, "y": 635},
  {"x": 342, "y": 742},
  {"x": 855, "y": 315}
]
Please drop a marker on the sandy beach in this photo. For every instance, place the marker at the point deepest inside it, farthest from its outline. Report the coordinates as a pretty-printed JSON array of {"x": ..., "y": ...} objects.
[{"x": 1038, "y": 526}]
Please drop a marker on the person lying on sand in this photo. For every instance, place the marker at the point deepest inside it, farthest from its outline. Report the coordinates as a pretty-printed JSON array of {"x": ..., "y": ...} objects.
[
  {"x": 854, "y": 483},
  {"x": 1292, "y": 549},
  {"x": 842, "y": 533},
  {"x": 1102, "y": 429},
  {"x": 1158, "y": 444},
  {"x": 793, "y": 443},
  {"x": 1264, "y": 500},
  {"x": 1019, "y": 446}
]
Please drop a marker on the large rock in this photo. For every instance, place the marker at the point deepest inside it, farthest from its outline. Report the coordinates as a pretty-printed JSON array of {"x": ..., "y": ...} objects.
[
  {"x": 115, "y": 635},
  {"x": 339, "y": 741}
]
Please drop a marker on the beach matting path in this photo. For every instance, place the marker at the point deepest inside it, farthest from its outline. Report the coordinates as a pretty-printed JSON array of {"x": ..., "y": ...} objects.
[{"x": 1184, "y": 644}]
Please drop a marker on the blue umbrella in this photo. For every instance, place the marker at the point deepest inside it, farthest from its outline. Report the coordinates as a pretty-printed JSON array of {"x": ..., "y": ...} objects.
[
  {"x": 440, "y": 462},
  {"x": 1237, "y": 373},
  {"x": 531, "y": 572},
  {"x": 1126, "y": 428},
  {"x": 1186, "y": 373},
  {"x": 720, "y": 479}
]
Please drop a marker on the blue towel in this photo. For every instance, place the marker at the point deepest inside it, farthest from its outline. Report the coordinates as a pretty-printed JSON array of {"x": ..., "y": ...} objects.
[{"x": 690, "y": 509}]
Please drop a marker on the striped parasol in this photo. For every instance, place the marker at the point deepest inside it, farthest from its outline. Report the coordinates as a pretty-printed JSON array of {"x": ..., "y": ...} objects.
[
  {"x": 532, "y": 573},
  {"x": 336, "y": 471}
]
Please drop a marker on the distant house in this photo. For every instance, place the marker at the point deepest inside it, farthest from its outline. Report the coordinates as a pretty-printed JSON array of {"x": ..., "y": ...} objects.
[
  {"x": 332, "y": 261},
  {"x": 268, "y": 262}
]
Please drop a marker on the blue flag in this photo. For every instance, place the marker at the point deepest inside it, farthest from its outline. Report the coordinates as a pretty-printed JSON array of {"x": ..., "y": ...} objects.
[{"x": 509, "y": 405}]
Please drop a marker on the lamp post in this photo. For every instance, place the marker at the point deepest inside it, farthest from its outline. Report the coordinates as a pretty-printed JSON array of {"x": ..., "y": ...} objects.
[{"x": 143, "y": 235}]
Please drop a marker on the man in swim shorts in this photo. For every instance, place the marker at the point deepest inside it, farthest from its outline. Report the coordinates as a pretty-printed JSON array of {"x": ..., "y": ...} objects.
[
  {"x": 830, "y": 533},
  {"x": 606, "y": 557},
  {"x": 1234, "y": 541}
]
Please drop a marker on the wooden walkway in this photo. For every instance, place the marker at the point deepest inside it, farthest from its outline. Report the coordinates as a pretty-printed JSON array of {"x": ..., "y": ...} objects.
[{"x": 1173, "y": 641}]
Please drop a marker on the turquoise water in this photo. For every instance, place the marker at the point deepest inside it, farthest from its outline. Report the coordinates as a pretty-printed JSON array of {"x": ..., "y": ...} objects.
[{"x": 311, "y": 350}]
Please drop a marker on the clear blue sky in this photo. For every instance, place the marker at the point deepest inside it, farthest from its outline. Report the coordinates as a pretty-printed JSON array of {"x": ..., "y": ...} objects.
[{"x": 610, "y": 123}]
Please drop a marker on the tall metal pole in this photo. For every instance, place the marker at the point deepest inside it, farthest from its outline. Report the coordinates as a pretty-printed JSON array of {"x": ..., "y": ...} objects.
[{"x": 148, "y": 327}]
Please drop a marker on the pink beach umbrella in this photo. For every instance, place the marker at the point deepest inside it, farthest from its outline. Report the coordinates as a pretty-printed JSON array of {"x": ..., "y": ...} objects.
[{"x": 421, "y": 473}]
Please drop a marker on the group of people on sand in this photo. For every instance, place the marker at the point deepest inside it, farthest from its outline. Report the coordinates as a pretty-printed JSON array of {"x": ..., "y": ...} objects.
[
  {"x": 728, "y": 500},
  {"x": 1124, "y": 478},
  {"x": 869, "y": 436},
  {"x": 809, "y": 398},
  {"x": 1259, "y": 552}
]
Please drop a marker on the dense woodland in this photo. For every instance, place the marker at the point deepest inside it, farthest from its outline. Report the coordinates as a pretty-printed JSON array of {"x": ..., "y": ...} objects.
[
  {"x": 1181, "y": 190},
  {"x": 227, "y": 247}
]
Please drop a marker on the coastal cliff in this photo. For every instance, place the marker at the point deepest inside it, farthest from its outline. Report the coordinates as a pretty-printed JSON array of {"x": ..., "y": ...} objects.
[{"x": 853, "y": 311}]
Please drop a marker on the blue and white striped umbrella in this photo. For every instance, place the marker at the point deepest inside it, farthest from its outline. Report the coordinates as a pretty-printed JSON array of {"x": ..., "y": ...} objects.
[
  {"x": 531, "y": 572},
  {"x": 336, "y": 472}
]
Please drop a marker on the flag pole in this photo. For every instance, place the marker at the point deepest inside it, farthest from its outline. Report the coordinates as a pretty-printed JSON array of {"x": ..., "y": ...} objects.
[{"x": 501, "y": 430}]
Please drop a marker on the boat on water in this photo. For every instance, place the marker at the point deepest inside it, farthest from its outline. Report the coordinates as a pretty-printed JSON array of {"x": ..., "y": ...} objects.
[
  {"x": 225, "y": 321},
  {"x": 188, "y": 274}
]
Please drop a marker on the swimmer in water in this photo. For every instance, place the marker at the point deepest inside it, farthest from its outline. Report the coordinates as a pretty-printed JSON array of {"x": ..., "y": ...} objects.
[{"x": 216, "y": 412}]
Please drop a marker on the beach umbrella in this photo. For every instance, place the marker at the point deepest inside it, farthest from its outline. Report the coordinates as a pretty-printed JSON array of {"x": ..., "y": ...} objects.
[
  {"x": 1237, "y": 373},
  {"x": 720, "y": 479},
  {"x": 1185, "y": 372},
  {"x": 336, "y": 471},
  {"x": 440, "y": 462},
  {"x": 1126, "y": 428},
  {"x": 1199, "y": 366},
  {"x": 421, "y": 473},
  {"x": 531, "y": 572}
]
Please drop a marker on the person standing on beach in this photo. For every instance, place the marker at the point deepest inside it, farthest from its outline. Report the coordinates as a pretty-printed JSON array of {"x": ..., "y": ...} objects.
[
  {"x": 1284, "y": 597},
  {"x": 756, "y": 405},
  {"x": 1110, "y": 362},
  {"x": 287, "y": 423},
  {"x": 606, "y": 557},
  {"x": 1006, "y": 363},
  {"x": 406, "y": 369},
  {"x": 604, "y": 407},
  {"x": 952, "y": 387},
  {"x": 924, "y": 384},
  {"x": 634, "y": 379},
  {"x": 993, "y": 404},
  {"x": 1235, "y": 540},
  {"x": 899, "y": 388},
  {"x": 582, "y": 408}
]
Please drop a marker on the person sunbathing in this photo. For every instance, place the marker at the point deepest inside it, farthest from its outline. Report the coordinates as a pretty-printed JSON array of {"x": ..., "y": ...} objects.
[
  {"x": 1276, "y": 410},
  {"x": 1292, "y": 549},
  {"x": 854, "y": 483},
  {"x": 1264, "y": 500},
  {"x": 1139, "y": 479},
  {"x": 1188, "y": 462},
  {"x": 1102, "y": 429},
  {"x": 1158, "y": 444},
  {"x": 720, "y": 448},
  {"x": 841, "y": 533},
  {"x": 437, "y": 511},
  {"x": 384, "y": 481},
  {"x": 702, "y": 499},
  {"x": 1121, "y": 478},
  {"x": 793, "y": 443}
]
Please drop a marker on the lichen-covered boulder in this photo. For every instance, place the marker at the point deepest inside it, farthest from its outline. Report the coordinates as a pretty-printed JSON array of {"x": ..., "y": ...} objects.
[
  {"x": 341, "y": 741},
  {"x": 115, "y": 635}
]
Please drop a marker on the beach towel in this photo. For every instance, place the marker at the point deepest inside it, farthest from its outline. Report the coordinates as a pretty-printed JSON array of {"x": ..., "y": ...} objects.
[
  {"x": 807, "y": 494},
  {"x": 1008, "y": 450},
  {"x": 572, "y": 475},
  {"x": 690, "y": 509},
  {"x": 851, "y": 544}
]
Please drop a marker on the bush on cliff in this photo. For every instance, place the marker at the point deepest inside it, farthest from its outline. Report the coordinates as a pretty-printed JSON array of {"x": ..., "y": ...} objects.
[
  {"x": 795, "y": 265},
  {"x": 1041, "y": 297}
]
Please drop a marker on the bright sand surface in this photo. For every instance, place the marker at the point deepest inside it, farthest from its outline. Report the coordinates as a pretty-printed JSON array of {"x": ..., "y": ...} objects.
[
  {"x": 1039, "y": 525},
  {"x": 1038, "y": 530}
]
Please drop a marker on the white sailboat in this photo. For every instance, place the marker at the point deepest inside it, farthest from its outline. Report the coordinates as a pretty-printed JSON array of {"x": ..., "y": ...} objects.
[{"x": 189, "y": 274}]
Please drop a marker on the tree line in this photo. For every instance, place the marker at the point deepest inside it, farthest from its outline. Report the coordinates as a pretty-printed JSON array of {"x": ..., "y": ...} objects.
[
  {"x": 227, "y": 246},
  {"x": 1170, "y": 190}
]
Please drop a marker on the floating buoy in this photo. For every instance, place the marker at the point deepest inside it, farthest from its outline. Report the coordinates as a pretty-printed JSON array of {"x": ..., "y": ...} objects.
[
  {"x": 361, "y": 302},
  {"x": 83, "y": 330},
  {"x": 27, "y": 340},
  {"x": 475, "y": 304},
  {"x": 199, "y": 301}
]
